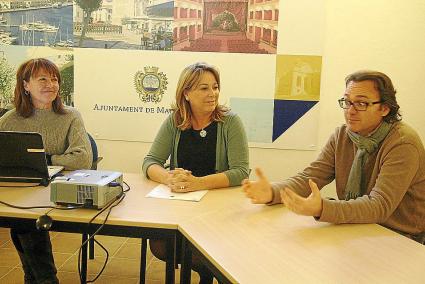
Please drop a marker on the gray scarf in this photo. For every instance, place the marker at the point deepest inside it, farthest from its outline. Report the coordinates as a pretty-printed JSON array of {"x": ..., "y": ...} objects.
[{"x": 365, "y": 147}]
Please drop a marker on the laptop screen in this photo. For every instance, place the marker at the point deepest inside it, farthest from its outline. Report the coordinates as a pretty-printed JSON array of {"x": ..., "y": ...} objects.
[{"x": 22, "y": 157}]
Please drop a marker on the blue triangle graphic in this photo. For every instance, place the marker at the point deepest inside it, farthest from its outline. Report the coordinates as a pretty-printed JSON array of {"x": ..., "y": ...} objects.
[{"x": 286, "y": 113}]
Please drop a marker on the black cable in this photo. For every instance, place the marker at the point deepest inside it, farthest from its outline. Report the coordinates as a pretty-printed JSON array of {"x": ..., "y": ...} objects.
[
  {"x": 19, "y": 186},
  {"x": 128, "y": 187},
  {"x": 109, "y": 206},
  {"x": 104, "y": 265},
  {"x": 41, "y": 206},
  {"x": 110, "y": 203},
  {"x": 93, "y": 235}
]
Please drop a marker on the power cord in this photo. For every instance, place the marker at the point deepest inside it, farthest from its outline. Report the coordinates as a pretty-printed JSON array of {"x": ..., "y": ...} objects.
[
  {"x": 113, "y": 203},
  {"x": 24, "y": 185},
  {"x": 128, "y": 187},
  {"x": 42, "y": 206}
]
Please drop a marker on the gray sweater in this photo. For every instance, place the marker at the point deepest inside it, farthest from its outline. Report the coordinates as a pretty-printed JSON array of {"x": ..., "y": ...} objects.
[
  {"x": 64, "y": 136},
  {"x": 231, "y": 150}
]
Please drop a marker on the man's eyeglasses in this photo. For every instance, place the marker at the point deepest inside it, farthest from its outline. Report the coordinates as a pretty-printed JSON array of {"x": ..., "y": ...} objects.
[{"x": 359, "y": 106}]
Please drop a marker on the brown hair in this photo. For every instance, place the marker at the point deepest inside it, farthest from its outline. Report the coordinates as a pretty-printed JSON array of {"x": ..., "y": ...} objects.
[
  {"x": 385, "y": 88},
  {"x": 28, "y": 69},
  {"x": 190, "y": 78}
]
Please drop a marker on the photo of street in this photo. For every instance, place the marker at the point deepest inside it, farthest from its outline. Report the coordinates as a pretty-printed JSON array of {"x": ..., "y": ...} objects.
[{"x": 123, "y": 24}]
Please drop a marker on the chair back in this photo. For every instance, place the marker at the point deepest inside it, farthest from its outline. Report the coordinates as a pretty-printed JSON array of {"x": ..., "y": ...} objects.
[{"x": 94, "y": 151}]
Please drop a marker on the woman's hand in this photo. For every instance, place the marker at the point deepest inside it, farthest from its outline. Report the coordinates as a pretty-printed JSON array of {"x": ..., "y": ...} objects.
[{"x": 182, "y": 180}]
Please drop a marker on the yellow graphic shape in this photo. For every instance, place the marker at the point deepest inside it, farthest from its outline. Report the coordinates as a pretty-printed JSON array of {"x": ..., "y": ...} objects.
[{"x": 298, "y": 77}]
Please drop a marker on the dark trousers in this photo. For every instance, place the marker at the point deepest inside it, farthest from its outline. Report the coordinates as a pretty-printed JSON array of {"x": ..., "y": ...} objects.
[
  {"x": 158, "y": 249},
  {"x": 35, "y": 251}
]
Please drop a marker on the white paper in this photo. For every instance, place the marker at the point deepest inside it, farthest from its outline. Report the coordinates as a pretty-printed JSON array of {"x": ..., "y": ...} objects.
[{"x": 163, "y": 191}]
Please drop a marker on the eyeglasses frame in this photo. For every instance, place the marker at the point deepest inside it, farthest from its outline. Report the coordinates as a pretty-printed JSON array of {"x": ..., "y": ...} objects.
[{"x": 368, "y": 104}]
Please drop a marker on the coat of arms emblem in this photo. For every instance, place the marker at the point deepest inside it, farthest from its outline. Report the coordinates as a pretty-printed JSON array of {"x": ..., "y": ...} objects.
[{"x": 150, "y": 84}]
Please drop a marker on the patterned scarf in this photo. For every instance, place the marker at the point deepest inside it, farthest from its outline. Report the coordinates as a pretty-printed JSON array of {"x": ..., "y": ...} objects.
[{"x": 365, "y": 147}]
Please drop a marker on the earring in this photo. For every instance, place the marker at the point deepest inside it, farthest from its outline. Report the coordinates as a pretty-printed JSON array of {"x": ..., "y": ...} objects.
[
  {"x": 187, "y": 98},
  {"x": 26, "y": 93}
]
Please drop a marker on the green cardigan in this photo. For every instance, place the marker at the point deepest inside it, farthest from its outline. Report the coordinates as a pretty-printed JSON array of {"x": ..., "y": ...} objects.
[{"x": 231, "y": 152}]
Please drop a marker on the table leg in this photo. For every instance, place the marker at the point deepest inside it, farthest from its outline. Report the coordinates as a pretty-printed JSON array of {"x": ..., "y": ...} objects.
[
  {"x": 91, "y": 248},
  {"x": 84, "y": 260},
  {"x": 143, "y": 261},
  {"x": 171, "y": 260},
  {"x": 185, "y": 273}
]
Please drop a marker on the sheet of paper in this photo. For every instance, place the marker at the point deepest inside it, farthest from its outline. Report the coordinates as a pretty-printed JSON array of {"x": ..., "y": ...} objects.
[{"x": 163, "y": 191}]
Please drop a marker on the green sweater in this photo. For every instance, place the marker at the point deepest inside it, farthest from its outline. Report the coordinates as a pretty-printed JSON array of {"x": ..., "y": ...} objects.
[
  {"x": 64, "y": 136},
  {"x": 231, "y": 150},
  {"x": 395, "y": 180}
]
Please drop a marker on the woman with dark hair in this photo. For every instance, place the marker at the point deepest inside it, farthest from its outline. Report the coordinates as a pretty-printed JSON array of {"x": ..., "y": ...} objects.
[
  {"x": 206, "y": 143},
  {"x": 38, "y": 108}
]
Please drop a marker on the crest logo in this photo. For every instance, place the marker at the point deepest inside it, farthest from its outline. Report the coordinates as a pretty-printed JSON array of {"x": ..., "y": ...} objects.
[{"x": 150, "y": 84}]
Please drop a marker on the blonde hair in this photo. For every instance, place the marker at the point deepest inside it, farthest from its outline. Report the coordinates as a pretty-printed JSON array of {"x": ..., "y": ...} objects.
[{"x": 190, "y": 78}]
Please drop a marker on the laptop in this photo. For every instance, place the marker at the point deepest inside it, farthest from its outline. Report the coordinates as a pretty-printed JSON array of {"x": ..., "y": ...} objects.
[{"x": 23, "y": 159}]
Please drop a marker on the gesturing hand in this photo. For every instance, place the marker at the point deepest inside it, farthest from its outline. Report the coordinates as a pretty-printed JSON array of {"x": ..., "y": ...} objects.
[
  {"x": 310, "y": 206},
  {"x": 258, "y": 191}
]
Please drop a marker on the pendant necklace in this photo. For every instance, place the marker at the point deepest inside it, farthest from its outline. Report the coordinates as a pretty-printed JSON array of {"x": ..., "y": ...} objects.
[{"x": 203, "y": 133}]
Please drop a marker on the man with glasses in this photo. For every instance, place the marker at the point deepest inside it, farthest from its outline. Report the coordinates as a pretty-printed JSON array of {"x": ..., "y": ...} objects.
[{"x": 377, "y": 161}]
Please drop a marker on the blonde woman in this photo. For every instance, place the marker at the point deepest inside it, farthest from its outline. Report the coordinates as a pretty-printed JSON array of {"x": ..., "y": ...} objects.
[{"x": 205, "y": 142}]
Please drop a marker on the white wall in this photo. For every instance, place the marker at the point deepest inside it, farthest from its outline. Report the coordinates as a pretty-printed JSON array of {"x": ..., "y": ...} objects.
[{"x": 385, "y": 35}]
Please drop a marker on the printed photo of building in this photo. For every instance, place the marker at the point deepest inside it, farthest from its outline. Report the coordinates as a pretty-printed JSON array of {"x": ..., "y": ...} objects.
[{"x": 244, "y": 26}]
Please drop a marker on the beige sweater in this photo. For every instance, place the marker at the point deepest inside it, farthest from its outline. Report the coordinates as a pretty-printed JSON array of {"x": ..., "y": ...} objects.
[
  {"x": 395, "y": 176},
  {"x": 64, "y": 136}
]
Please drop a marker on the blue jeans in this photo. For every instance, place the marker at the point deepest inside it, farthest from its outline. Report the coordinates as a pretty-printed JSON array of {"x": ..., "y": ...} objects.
[{"x": 35, "y": 251}]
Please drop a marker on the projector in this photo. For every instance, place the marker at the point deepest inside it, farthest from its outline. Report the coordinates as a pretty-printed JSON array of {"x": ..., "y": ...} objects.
[{"x": 89, "y": 188}]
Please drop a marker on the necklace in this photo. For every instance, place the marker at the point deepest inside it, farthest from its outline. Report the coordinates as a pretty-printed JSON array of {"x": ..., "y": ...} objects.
[{"x": 203, "y": 133}]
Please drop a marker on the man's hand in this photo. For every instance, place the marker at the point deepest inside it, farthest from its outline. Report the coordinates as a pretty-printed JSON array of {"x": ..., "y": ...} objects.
[
  {"x": 258, "y": 191},
  {"x": 310, "y": 206}
]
